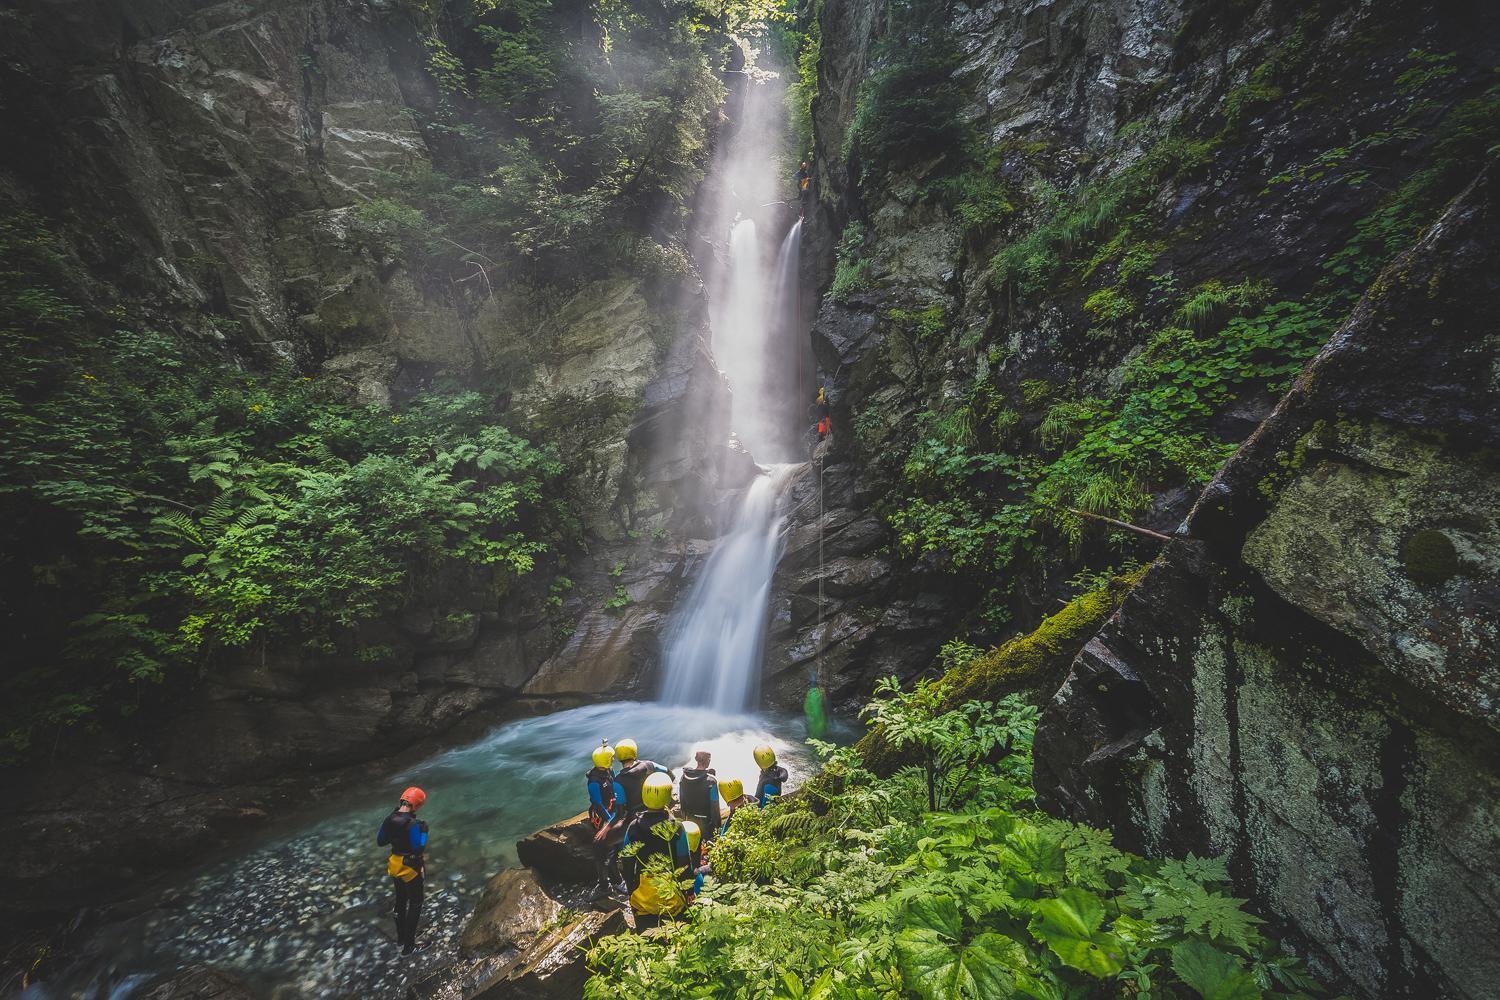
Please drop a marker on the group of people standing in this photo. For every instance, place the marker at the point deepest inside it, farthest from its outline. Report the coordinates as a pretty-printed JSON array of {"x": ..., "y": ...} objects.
[{"x": 632, "y": 813}]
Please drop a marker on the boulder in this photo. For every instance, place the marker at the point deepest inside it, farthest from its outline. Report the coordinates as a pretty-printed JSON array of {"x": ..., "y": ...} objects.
[
  {"x": 510, "y": 912},
  {"x": 563, "y": 852},
  {"x": 554, "y": 966}
]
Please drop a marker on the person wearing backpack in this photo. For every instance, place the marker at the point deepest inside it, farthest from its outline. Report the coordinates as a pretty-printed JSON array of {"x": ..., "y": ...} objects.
[{"x": 698, "y": 791}]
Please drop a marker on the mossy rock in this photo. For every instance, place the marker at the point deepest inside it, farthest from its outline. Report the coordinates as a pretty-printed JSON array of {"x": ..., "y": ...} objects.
[
  {"x": 1027, "y": 662},
  {"x": 1429, "y": 557}
]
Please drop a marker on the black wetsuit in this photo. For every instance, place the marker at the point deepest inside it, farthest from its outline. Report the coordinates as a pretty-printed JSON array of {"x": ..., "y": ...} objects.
[
  {"x": 632, "y": 778},
  {"x": 772, "y": 781},
  {"x": 699, "y": 792},
  {"x": 646, "y": 828},
  {"x": 407, "y": 837}
]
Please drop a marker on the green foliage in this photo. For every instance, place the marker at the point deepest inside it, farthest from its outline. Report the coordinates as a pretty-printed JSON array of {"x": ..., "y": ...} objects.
[
  {"x": 856, "y": 889},
  {"x": 163, "y": 510},
  {"x": 909, "y": 107},
  {"x": 852, "y": 271},
  {"x": 1109, "y": 306},
  {"x": 804, "y": 85}
]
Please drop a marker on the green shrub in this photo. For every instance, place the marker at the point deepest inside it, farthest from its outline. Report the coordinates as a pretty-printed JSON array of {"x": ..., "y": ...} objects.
[
  {"x": 859, "y": 888},
  {"x": 909, "y": 107}
]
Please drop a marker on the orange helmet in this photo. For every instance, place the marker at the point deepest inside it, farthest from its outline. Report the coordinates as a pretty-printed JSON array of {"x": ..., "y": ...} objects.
[{"x": 414, "y": 797}]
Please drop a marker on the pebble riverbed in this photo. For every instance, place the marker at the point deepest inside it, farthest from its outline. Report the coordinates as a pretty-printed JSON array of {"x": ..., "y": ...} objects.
[{"x": 308, "y": 915}]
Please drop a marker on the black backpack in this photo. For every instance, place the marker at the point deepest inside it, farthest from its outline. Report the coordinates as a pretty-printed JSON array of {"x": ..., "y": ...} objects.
[{"x": 693, "y": 788}]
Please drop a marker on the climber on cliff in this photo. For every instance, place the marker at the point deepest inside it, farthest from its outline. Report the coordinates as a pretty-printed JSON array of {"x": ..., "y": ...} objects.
[
  {"x": 699, "y": 791},
  {"x": 407, "y": 838},
  {"x": 650, "y": 856},
  {"x": 633, "y": 774},
  {"x": 773, "y": 777},
  {"x": 825, "y": 422},
  {"x": 606, "y": 798},
  {"x": 804, "y": 186}
]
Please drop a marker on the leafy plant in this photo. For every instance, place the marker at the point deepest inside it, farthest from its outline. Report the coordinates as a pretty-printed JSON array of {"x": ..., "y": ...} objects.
[{"x": 859, "y": 890}]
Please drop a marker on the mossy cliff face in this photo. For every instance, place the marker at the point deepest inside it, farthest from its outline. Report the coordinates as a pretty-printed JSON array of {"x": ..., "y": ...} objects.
[
  {"x": 1065, "y": 257},
  {"x": 1306, "y": 679}
]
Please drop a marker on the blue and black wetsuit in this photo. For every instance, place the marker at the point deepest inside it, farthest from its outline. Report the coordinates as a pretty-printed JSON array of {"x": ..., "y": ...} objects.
[
  {"x": 406, "y": 836},
  {"x": 772, "y": 780},
  {"x": 699, "y": 793},
  {"x": 683, "y": 856},
  {"x": 606, "y": 798},
  {"x": 605, "y": 795}
]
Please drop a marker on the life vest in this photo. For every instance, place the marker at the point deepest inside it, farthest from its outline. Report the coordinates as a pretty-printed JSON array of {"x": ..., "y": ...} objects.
[
  {"x": 631, "y": 777},
  {"x": 693, "y": 790},
  {"x": 603, "y": 779},
  {"x": 405, "y": 863},
  {"x": 656, "y": 831}
]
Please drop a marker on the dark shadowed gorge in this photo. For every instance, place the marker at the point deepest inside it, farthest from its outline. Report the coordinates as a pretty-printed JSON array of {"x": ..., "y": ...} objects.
[{"x": 1063, "y": 432}]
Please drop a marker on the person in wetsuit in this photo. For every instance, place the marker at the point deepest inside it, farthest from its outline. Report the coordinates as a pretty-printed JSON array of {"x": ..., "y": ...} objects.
[
  {"x": 633, "y": 775},
  {"x": 732, "y": 791},
  {"x": 688, "y": 855},
  {"x": 773, "y": 777},
  {"x": 698, "y": 791},
  {"x": 406, "y": 836},
  {"x": 653, "y": 834},
  {"x": 605, "y": 799}
]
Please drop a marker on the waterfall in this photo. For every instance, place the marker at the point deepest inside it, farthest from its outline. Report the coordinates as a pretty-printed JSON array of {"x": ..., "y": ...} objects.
[
  {"x": 788, "y": 339},
  {"x": 713, "y": 647},
  {"x": 714, "y": 643},
  {"x": 741, "y": 346}
]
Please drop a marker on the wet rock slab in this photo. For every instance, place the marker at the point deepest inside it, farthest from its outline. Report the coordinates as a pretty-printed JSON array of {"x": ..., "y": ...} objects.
[{"x": 563, "y": 852}]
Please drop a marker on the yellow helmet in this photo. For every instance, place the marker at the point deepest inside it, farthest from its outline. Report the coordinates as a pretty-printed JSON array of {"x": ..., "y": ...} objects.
[
  {"x": 603, "y": 756},
  {"x": 656, "y": 793},
  {"x": 764, "y": 755},
  {"x": 731, "y": 789},
  {"x": 693, "y": 834},
  {"x": 625, "y": 750}
]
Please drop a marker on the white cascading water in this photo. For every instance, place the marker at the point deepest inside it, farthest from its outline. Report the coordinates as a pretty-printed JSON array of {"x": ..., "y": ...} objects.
[{"x": 714, "y": 646}]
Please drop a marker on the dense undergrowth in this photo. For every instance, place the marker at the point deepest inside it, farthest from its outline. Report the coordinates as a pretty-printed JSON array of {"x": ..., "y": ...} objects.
[
  {"x": 1003, "y": 475},
  {"x": 944, "y": 882},
  {"x": 162, "y": 508}
]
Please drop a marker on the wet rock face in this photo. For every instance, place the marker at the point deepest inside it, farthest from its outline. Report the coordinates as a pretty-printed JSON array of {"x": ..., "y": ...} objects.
[{"x": 1306, "y": 681}]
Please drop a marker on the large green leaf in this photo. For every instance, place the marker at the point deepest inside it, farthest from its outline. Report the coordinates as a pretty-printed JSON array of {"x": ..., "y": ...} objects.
[
  {"x": 934, "y": 969},
  {"x": 935, "y": 913},
  {"x": 1071, "y": 925},
  {"x": 1214, "y": 974},
  {"x": 1037, "y": 854}
]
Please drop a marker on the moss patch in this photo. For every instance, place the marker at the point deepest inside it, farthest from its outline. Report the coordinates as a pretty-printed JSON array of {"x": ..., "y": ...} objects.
[
  {"x": 1026, "y": 662},
  {"x": 1429, "y": 557}
]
